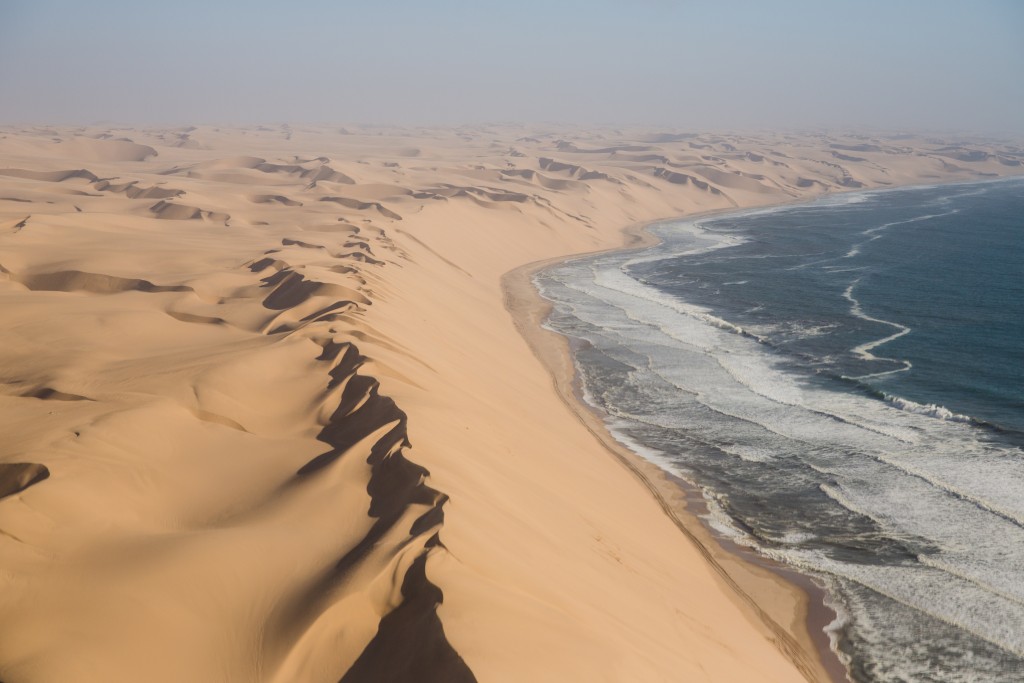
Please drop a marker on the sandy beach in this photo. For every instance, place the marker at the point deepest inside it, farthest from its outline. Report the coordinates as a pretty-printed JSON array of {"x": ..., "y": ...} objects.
[{"x": 277, "y": 405}]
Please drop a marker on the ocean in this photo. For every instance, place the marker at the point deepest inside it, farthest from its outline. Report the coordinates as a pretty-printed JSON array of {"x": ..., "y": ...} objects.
[{"x": 844, "y": 382}]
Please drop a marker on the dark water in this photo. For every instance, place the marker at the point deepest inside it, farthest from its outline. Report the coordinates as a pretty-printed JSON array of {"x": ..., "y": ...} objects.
[{"x": 845, "y": 382}]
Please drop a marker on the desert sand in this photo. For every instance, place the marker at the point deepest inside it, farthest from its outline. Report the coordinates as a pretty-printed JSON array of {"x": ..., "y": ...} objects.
[{"x": 276, "y": 405}]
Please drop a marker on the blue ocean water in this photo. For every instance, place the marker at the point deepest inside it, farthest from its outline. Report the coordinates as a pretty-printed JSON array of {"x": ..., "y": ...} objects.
[{"x": 845, "y": 382}]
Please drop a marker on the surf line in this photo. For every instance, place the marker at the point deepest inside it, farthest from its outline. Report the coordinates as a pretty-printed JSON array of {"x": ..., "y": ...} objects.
[{"x": 864, "y": 350}]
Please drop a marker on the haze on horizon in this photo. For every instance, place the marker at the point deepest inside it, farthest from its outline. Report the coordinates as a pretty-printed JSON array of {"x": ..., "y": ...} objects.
[{"x": 911, "y": 65}]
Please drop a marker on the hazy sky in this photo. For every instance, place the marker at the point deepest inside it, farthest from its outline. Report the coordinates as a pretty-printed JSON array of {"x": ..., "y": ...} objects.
[{"x": 710, "y": 64}]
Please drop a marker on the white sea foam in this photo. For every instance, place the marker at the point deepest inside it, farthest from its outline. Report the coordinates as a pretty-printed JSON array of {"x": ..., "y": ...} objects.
[
  {"x": 659, "y": 458},
  {"x": 864, "y": 350},
  {"x": 844, "y": 269},
  {"x": 719, "y": 520},
  {"x": 916, "y": 219},
  {"x": 929, "y": 409},
  {"x": 792, "y": 330},
  {"x": 834, "y": 628}
]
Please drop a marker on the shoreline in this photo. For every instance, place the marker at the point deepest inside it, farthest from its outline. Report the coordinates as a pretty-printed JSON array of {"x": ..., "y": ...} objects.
[
  {"x": 808, "y": 615},
  {"x": 757, "y": 584}
]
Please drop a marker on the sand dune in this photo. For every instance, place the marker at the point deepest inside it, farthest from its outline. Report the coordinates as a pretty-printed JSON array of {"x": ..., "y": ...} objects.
[
  {"x": 274, "y": 198},
  {"x": 362, "y": 206},
  {"x": 133, "y": 191},
  {"x": 219, "y": 345},
  {"x": 572, "y": 169},
  {"x": 538, "y": 178},
  {"x": 96, "y": 283},
  {"x": 48, "y": 176},
  {"x": 313, "y": 175},
  {"x": 89, "y": 149},
  {"x": 686, "y": 178},
  {"x": 183, "y": 212}
]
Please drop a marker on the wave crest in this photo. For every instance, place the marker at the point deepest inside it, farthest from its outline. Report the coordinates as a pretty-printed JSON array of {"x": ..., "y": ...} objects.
[{"x": 929, "y": 409}]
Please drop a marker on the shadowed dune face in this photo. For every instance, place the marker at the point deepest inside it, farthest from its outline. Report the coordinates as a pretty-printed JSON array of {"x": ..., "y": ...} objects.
[
  {"x": 48, "y": 176},
  {"x": 18, "y": 476},
  {"x": 312, "y": 175},
  {"x": 399, "y": 652},
  {"x": 51, "y": 394},
  {"x": 274, "y": 198},
  {"x": 182, "y": 212},
  {"x": 410, "y": 643},
  {"x": 203, "y": 478},
  {"x": 133, "y": 191},
  {"x": 362, "y": 206},
  {"x": 97, "y": 283}
]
